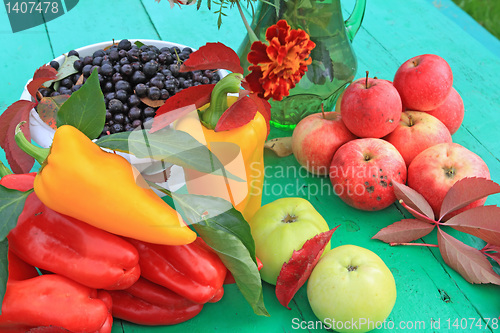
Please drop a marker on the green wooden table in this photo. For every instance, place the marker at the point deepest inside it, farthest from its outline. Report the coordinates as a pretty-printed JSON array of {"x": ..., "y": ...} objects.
[{"x": 393, "y": 31}]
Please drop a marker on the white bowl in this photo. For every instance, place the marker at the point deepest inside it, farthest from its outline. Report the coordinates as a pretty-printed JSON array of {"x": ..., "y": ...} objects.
[{"x": 43, "y": 134}]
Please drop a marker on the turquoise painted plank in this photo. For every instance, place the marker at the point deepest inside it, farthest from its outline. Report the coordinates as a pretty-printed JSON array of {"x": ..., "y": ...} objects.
[{"x": 189, "y": 26}]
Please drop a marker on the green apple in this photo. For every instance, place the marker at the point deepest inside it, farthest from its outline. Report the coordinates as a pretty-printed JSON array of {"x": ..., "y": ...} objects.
[
  {"x": 351, "y": 289},
  {"x": 281, "y": 227}
]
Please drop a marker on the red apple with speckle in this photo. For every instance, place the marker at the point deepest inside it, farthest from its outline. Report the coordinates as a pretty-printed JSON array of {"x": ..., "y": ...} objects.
[
  {"x": 423, "y": 82},
  {"x": 451, "y": 112},
  {"x": 416, "y": 132},
  {"x": 316, "y": 138},
  {"x": 434, "y": 171},
  {"x": 362, "y": 172},
  {"x": 371, "y": 108}
]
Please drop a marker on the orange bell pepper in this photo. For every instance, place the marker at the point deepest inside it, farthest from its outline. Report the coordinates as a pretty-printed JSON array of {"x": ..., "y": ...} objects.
[{"x": 240, "y": 150}]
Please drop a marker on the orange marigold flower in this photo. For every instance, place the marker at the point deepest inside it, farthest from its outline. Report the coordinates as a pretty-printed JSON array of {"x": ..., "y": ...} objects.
[{"x": 277, "y": 67}]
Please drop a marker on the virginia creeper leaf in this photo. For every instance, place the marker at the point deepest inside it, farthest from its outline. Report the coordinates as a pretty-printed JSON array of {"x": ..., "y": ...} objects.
[
  {"x": 466, "y": 191},
  {"x": 19, "y": 161},
  {"x": 404, "y": 231},
  {"x": 42, "y": 75},
  {"x": 224, "y": 229},
  {"x": 167, "y": 118},
  {"x": 48, "y": 107},
  {"x": 213, "y": 55},
  {"x": 85, "y": 109},
  {"x": 197, "y": 95},
  {"x": 240, "y": 113},
  {"x": 264, "y": 108},
  {"x": 297, "y": 270},
  {"x": 481, "y": 221},
  {"x": 413, "y": 199},
  {"x": 11, "y": 206},
  {"x": 466, "y": 260}
]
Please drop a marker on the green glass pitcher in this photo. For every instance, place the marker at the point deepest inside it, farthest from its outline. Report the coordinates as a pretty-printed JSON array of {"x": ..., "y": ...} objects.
[{"x": 333, "y": 64}]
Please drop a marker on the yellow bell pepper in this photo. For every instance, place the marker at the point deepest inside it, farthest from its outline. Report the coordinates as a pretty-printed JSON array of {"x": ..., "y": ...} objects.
[
  {"x": 103, "y": 189},
  {"x": 240, "y": 150}
]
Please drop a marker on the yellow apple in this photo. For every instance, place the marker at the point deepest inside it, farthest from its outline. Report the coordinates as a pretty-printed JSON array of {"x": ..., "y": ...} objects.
[{"x": 351, "y": 289}]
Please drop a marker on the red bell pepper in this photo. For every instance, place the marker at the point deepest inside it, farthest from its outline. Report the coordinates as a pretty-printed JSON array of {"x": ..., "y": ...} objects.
[
  {"x": 69, "y": 247},
  {"x": 51, "y": 301},
  {"x": 189, "y": 270},
  {"x": 147, "y": 303}
]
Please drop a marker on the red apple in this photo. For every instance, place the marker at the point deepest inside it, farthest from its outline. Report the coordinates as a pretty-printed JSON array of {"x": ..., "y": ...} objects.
[
  {"x": 423, "y": 82},
  {"x": 434, "y": 171},
  {"x": 416, "y": 132},
  {"x": 316, "y": 138},
  {"x": 362, "y": 172},
  {"x": 371, "y": 108},
  {"x": 451, "y": 112}
]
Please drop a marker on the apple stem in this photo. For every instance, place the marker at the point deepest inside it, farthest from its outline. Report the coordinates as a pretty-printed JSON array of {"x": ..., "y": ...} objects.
[
  {"x": 366, "y": 81},
  {"x": 410, "y": 120},
  {"x": 323, "y": 111},
  {"x": 413, "y": 211},
  {"x": 412, "y": 244}
]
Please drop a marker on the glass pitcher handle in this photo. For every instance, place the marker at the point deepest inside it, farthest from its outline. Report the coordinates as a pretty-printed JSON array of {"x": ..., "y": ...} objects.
[{"x": 353, "y": 23}]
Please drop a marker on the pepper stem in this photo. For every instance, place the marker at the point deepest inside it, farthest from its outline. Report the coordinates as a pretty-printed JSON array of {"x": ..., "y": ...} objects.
[
  {"x": 40, "y": 154},
  {"x": 231, "y": 83},
  {"x": 4, "y": 171}
]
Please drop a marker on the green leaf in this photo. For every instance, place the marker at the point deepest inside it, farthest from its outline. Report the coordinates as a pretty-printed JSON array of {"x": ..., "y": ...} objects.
[
  {"x": 65, "y": 70},
  {"x": 169, "y": 145},
  {"x": 225, "y": 230},
  {"x": 4, "y": 268},
  {"x": 85, "y": 109},
  {"x": 139, "y": 43},
  {"x": 11, "y": 206}
]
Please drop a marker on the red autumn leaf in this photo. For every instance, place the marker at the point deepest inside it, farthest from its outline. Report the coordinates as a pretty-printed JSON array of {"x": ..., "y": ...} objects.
[
  {"x": 413, "y": 199},
  {"x": 42, "y": 75},
  {"x": 19, "y": 161},
  {"x": 213, "y": 55},
  {"x": 297, "y": 270},
  {"x": 482, "y": 222},
  {"x": 466, "y": 191},
  {"x": 240, "y": 113},
  {"x": 195, "y": 95},
  {"x": 466, "y": 260},
  {"x": 47, "y": 109},
  {"x": 264, "y": 108},
  {"x": 404, "y": 231}
]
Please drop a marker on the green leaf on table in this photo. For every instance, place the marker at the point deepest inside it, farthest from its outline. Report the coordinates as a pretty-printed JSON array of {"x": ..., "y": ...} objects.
[
  {"x": 48, "y": 108},
  {"x": 225, "y": 230},
  {"x": 4, "y": 268},
  {"x": 65, "y": 70},
  {"x": 168, "y": 145},
  {"x": 11, "y": 206},
  {"x": 85, "y": 109}
]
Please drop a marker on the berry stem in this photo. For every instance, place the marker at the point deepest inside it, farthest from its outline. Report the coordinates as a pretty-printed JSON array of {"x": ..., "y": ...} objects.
[
  {"x": 413, "y": 211},
  {"x": 40, "y": 154},
  {"x": 231, "y": 83}
]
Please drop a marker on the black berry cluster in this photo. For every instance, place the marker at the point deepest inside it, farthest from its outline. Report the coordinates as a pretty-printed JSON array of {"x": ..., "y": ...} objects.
[{"x": 131, "y": 75}]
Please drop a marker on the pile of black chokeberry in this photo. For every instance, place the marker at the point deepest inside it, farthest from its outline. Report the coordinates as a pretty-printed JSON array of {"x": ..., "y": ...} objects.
[{"x": 130, "y": 75}]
